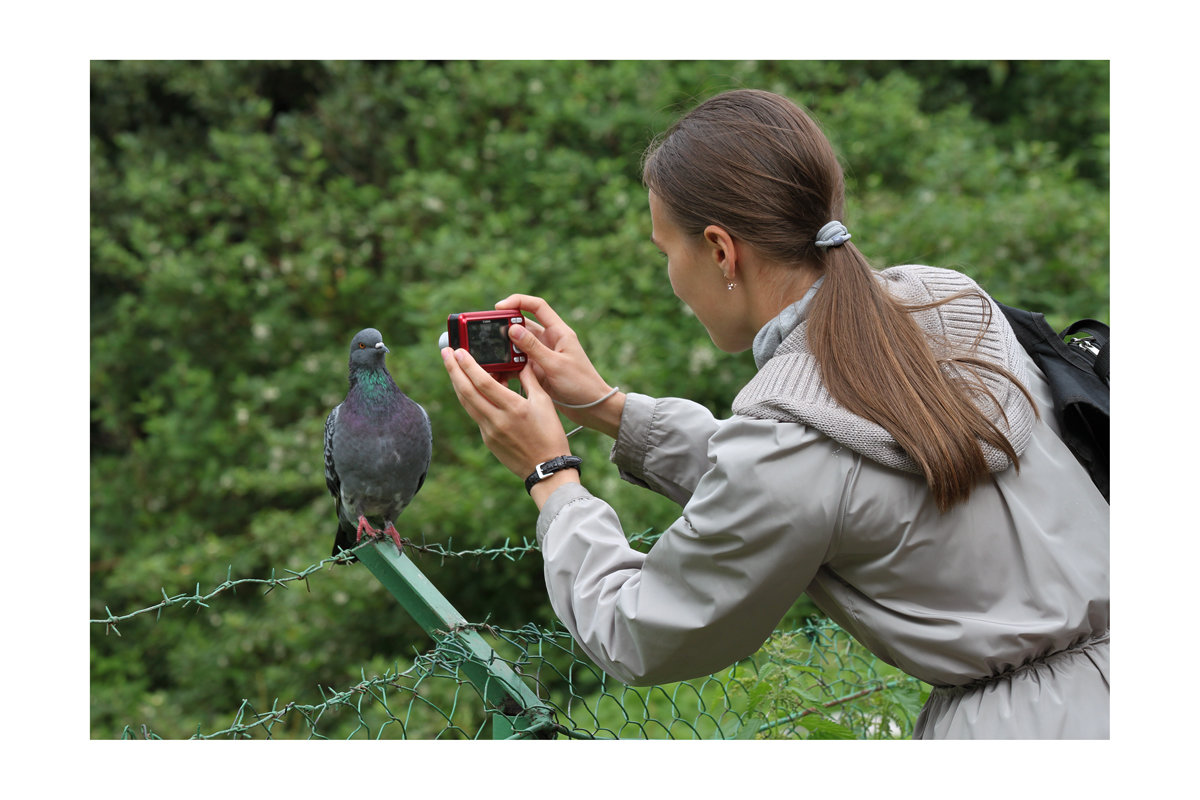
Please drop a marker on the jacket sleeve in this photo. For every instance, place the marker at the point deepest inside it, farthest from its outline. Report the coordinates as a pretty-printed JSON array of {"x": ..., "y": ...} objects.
[
  {"x": 662, "y": 444},
  {"x": 716, "y": 583}
]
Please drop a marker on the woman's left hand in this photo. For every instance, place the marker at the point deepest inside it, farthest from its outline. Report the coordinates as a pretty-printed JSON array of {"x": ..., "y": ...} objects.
[{"x": 521, "y": 432}]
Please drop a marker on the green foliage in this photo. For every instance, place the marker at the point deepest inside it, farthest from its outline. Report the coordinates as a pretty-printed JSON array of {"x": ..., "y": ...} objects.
[
  {"x": 794, "y": 689},
  {"x": 248, "y": 218}
]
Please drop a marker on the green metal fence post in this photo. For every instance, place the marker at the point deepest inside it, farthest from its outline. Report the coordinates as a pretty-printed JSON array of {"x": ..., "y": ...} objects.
[{"x": 514, "y": 706}]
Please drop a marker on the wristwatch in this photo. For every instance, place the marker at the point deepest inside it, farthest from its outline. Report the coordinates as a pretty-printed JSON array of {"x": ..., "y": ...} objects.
[{"x": 548, "y": 468}]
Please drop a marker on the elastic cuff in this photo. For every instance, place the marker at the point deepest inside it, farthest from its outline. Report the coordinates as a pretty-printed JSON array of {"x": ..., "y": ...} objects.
[
  {"x": 562, "y": 497},
  {"x": 633, "y": 437}
]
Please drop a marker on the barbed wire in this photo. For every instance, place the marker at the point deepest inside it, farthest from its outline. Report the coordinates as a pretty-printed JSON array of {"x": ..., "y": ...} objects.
[
  {"x": 513, "y": 552},
  {"x": 201, "y": 599},
  {"x": 506, "y": 550}
]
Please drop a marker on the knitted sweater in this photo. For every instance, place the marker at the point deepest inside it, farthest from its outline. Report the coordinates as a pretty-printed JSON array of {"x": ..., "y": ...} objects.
[{"x": 788, "y": 386}]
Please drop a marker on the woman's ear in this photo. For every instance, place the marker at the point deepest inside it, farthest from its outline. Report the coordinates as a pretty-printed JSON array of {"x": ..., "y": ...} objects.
[{"x": 722, "y": 249}]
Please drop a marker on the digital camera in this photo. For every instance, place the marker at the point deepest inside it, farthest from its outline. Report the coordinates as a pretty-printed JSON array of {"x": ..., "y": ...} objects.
[{"x": 484, "y": 334}]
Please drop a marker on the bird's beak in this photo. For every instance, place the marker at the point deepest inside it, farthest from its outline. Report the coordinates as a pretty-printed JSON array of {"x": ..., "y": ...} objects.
[{"x": 382, "y": 346}]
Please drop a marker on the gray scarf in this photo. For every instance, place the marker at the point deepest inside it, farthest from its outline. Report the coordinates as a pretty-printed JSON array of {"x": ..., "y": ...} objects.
[
  {"x": 767, "y": 340},
  {"x": 788, "y": 385}
]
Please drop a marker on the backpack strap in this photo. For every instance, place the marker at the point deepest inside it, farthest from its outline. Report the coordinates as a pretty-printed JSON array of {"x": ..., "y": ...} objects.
[
  {"x": 1098, "y": 332},
  {"x": 1101, "y": 365},
  {"x": 1090, "y": 327},
  {"x": 1078, "y": 380}
]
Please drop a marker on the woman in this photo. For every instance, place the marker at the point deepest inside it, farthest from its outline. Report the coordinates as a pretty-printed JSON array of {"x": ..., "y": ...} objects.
[{"x": 889, "y": 457}]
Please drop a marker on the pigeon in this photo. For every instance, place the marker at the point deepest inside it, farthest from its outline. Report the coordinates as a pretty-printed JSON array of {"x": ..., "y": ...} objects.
[{"x": 378, "y": 443}]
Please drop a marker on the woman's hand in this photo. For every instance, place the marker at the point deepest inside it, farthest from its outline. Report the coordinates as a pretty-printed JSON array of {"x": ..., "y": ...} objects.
[
  {"x": 521, "y": 432},
  {"x": 562, "y": 367}
]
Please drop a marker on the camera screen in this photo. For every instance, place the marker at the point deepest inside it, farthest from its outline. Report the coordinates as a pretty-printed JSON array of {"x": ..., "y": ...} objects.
[{"x": 488, "y": 340}]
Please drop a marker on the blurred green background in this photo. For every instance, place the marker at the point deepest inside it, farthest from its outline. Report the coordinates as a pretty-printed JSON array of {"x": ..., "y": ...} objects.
[{"x": 247, "y": 218}]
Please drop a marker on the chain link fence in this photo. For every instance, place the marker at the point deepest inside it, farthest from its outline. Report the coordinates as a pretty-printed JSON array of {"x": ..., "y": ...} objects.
[{"x": 480, "y": 680}]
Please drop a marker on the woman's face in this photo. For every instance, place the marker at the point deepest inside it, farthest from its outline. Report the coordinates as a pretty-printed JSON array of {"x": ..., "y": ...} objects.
[{"x": 696, "y": 278}]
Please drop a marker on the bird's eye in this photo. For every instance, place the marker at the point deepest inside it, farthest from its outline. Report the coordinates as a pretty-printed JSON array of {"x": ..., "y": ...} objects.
[{"x": 362, "y": 346}]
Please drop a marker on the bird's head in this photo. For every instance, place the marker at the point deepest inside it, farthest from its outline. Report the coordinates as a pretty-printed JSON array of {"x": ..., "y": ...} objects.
[{"x": 367, "y": 348}]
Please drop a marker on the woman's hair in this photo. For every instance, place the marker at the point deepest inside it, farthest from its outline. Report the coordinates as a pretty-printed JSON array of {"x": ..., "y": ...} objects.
[{"x": 755, "y": 164}]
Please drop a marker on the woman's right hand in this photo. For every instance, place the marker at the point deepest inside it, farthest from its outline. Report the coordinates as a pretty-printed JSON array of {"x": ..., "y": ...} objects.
[{"x": 561, "y": 366}]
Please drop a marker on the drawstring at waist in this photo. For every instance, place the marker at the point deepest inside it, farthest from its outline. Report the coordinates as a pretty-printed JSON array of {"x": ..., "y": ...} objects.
[{"x": 1042, "y": 661}]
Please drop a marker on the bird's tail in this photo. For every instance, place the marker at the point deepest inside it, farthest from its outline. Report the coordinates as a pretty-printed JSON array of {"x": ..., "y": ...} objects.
[{"x": 344, "y": 540}]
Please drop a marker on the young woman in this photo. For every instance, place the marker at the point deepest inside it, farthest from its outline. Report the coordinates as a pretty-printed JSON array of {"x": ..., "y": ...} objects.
[{"x": 889, "y": 457}]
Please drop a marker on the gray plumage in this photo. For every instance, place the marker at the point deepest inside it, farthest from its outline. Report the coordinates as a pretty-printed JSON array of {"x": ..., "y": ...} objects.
[{"x": 378, "y": 444}]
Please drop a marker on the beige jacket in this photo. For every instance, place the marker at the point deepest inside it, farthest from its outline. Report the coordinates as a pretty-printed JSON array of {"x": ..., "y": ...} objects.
[{"x": 1001, "y": 603}]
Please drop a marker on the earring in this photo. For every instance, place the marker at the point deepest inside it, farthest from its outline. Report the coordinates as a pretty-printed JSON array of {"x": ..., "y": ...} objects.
[{"x": 730, "y": 286}]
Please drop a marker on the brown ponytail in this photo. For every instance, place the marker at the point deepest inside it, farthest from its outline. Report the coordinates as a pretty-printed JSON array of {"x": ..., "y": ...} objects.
[{"x": 755, "y": 164}]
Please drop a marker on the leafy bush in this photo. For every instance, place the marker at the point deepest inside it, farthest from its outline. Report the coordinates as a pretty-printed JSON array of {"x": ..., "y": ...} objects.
[{"x": 248, "y": 218}]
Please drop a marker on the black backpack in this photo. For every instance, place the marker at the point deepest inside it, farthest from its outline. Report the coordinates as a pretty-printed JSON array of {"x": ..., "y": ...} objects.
[{"x": 1077, "y": 371}]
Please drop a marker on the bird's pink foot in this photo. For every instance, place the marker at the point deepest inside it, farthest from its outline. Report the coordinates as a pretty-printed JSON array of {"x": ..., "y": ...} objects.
[
  {"x": 363, "y": 525},
  {"x": 391, "y": 531}
]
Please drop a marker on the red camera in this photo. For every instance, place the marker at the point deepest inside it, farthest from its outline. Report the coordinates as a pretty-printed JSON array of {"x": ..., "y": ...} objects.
[{"x": 484, "y": 334}]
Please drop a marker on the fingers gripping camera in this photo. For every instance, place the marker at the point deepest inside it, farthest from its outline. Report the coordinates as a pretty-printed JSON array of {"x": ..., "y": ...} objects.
[{"x": 484, "y": 334}]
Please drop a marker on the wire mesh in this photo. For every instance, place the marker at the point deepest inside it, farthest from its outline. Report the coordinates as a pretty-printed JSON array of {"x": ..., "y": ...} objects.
[{"x": 808, "y": 681}]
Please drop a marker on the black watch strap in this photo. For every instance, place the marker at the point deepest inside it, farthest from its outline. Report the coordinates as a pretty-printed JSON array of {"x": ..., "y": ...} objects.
[{"x": 548, "y": 468}]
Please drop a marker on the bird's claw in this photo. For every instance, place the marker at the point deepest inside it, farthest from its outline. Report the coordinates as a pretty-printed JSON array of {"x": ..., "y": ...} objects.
[
  {"x": 363, "y": 525},
  {"x": 391, "y": 531},
  {"x": 373, "y": 534}
]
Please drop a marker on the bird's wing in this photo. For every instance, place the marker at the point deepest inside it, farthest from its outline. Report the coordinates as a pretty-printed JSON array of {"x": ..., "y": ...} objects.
[
  {"x": 331, "y": 477},
  {"x": 428, "y": 424},
  {"x": 429, "y": 428}
]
